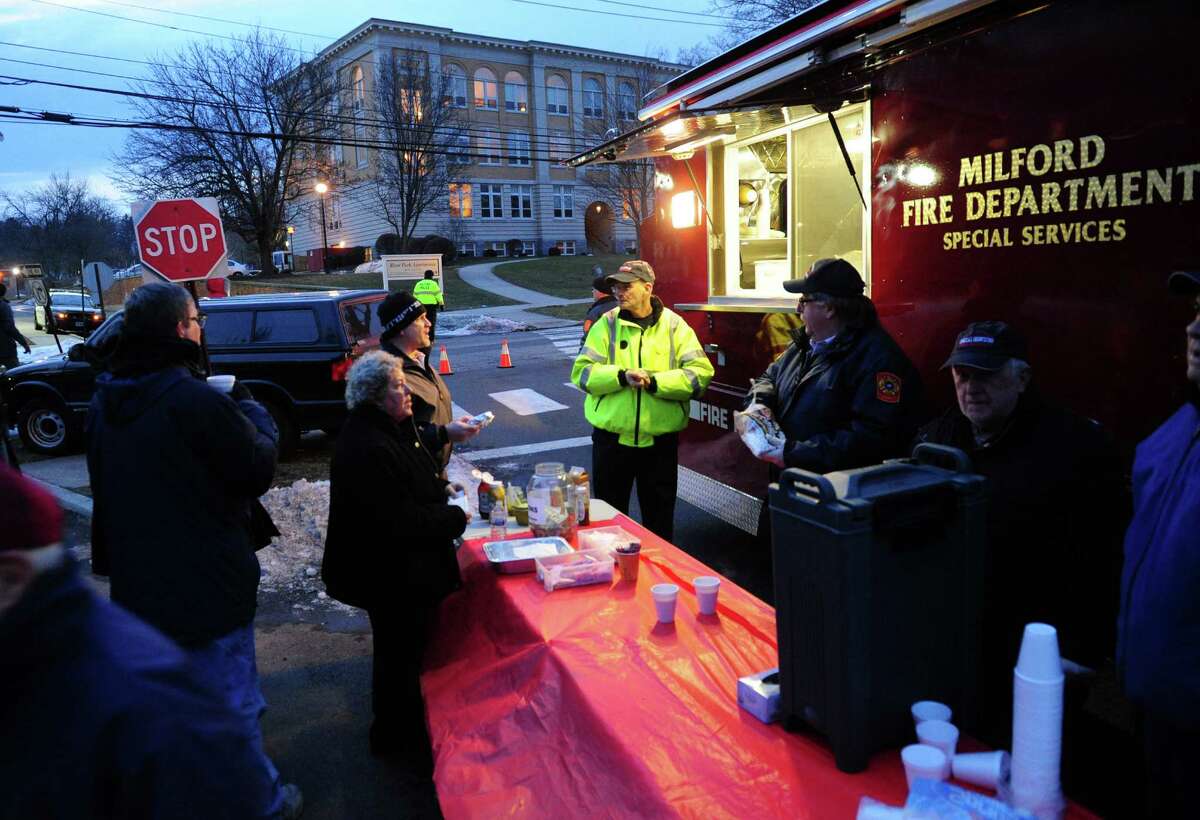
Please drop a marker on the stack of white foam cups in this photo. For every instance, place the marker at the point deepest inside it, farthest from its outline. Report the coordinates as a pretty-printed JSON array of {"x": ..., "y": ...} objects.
[{"x": 1037, "y": 724}]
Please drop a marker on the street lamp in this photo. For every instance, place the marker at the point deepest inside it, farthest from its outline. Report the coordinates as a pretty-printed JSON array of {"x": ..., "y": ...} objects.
[{"x": 321, "y": 188}]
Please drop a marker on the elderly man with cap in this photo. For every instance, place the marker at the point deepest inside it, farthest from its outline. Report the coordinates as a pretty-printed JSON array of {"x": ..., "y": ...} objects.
[
  {"x": 102, "y": 715},
  {"x": 844, "y": 393},
  {"x": 640, "y": 366},
  {"x": 1158, "y": 653},
  {"x": 603, "y": 302},
  {"x": 405, "y": 335},
  {"x": 1056, "y": 508}
]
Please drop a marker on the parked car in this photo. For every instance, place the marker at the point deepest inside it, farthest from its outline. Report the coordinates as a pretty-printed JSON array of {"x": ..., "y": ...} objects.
[
  {"x": 291, "y": 350},
  {"x": 69, "y": 311},
  {"x": 240, "y": 270}
]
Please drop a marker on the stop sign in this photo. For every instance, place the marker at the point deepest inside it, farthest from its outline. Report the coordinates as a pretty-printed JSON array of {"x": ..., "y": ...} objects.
[{"x": 180, "y": 239}]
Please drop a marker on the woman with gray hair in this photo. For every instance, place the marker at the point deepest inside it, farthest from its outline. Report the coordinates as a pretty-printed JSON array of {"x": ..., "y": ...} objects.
[{"x": 389, "y": 548}]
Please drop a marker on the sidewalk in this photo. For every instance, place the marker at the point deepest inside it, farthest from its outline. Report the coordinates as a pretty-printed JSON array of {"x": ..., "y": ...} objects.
[{"x": 481, "y": 276}]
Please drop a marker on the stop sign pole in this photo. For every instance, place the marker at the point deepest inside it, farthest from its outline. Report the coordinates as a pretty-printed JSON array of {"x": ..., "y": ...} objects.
[{"x": 181, "y": 241}]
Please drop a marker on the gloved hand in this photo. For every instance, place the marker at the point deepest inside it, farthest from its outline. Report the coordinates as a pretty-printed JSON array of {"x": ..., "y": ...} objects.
[
  {"x": 28, "y": 350},
  {"x": 757, "y": 409},
  {"x": 240, "y": 392}
]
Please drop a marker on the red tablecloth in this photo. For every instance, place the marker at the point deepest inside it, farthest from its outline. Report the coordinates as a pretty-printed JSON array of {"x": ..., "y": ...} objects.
[{"x": 577, "y": 703}]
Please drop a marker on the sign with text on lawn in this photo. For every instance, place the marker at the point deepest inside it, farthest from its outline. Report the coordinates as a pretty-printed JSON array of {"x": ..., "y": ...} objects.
[
  {"x": 181, "y": 240},
  {"x": 410, "y": 268}
]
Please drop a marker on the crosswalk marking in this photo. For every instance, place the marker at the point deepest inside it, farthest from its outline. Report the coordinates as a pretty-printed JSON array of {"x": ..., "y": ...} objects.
[
  {"x": 573, "y": 386},
  {"x": 565, "y": 339},
  {"x": 526, "y": 402},
  {"x": 458, "y": 412}
]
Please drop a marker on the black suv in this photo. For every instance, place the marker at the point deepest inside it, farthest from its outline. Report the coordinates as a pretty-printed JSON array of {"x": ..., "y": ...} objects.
[{"x": 291, "y": 350}]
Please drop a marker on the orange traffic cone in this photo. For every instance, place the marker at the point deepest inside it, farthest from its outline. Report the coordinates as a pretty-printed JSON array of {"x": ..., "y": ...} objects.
[
  {"x": 505, "y": 358},
  {"x": 444, "y": 368}
]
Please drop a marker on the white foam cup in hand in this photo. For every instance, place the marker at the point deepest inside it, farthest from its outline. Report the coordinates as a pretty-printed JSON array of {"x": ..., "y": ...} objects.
[
  {"x": 940, "y": 734},
  {"x": 924, "y": 710},
  {"x": 987, "y": 769},
  {"x": 222, "y": 382},
  {"x": 665, "y": 596},
  {"x": 1039, "y": 659},
  {"x": 923, "y": 762},
  {"x": 707, "y": 587}
]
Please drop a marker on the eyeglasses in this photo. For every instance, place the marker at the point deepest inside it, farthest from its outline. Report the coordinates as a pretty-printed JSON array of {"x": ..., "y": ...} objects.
[
  {"x": 807, "y": 300},
  {"x": 199, "y": 318}
]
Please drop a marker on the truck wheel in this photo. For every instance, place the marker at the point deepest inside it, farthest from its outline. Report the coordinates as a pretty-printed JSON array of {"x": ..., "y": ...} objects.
[
  {"x": 288, "y": 435},
  {"x": 43, "y": 427}
]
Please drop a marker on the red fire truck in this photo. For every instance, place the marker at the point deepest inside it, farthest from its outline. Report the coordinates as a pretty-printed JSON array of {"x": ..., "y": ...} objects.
[{"x": 1035, "y": 161}]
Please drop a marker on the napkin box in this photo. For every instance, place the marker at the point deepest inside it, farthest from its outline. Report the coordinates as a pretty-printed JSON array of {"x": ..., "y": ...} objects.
[{"x": 759, "y": 698}]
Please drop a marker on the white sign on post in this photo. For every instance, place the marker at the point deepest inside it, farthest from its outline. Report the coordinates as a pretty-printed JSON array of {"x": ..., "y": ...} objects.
[{"x": 411, "y": 267}]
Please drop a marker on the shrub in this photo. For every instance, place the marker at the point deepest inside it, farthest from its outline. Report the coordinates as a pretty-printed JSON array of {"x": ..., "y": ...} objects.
[
  {"x": 554, "y": 250},
  {"x": 442, "y": 245},
  {"x": 489, "y": 251},
  {"x": 416, "y": 244},
  {"x": 515, "y": 247},
  {"x": 388, "y": 243}
]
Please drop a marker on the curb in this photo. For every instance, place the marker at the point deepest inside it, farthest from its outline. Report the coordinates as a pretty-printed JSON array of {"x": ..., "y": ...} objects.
[{"x": 74, "y": 502}]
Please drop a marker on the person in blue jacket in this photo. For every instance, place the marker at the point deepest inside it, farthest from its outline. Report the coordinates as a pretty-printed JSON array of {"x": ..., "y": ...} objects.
[
  {"x": 103, "y": 716},
  {"x": 1158, "y": 639}
]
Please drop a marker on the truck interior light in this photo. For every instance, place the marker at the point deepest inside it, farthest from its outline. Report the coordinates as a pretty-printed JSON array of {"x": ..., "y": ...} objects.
[
  {"x": 692, "y": 145},
  {"x": 747, "y": 193},
  {"x": 674, "y": 128},
  {"x": 685, "y": 210}
]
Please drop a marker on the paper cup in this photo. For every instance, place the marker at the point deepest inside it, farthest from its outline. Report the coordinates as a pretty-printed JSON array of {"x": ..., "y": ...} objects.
[
  {"x": 940, "y": 735},
  {"x": 707, "y": 587},
  {"x": 1039, "y": 659},
  {"x": 987, "y": 769},
  {"x": 923, "y": 762},
  {"x": 924, "y": 710},
  {"x": 665, "y": 596},
  {"x": 223, "y": 382}
]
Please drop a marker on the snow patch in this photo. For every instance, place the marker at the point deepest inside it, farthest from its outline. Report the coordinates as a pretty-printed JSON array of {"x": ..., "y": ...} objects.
[{"x": 450, "y": 325}]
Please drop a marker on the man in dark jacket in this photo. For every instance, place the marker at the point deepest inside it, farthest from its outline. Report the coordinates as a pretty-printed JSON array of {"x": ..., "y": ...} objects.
[
  {"x": 604, "y": 301},
  {"x": 1158, "y": 653},
  {"x": 102, "y": 715},
  {"x": 176, "y": 468},
  {"x": 844, "y": 393},
  {"x": 389, "y": 546},
  {"x": 10, "y": 337},
  {"x": 1056, "y": 508}
]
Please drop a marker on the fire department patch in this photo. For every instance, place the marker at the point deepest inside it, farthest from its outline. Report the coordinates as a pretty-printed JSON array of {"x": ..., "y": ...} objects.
[{"x": 887, "y": 387}]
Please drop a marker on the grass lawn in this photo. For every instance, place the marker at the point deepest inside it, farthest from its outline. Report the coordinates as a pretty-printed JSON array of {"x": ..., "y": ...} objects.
[
  {"x": 567, "y": 276},
  {"x": 575, "y": 313},
  {"x": 459, "y": 295}
]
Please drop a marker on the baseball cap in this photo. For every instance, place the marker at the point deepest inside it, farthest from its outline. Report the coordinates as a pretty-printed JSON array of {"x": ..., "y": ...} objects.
[
  {"x": 633, "y": 271},
  {"x": 832, "y": 277},
  {"x": 987, "y": 346},
  {"x": 1185, "y": 282}
]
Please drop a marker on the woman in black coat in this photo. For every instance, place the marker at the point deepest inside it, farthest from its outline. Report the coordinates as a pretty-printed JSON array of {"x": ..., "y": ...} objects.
[{"x": 389, "y": 548}]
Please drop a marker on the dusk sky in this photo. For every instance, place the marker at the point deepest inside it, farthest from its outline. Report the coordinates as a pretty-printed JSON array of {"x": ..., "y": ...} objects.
[{"x": 30, "y": 152}]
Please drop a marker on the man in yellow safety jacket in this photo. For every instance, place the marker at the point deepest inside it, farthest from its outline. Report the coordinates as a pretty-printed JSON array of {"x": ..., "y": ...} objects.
[
  {"x": 429, "y": 293},
  {"x": 641, "y": 365}
]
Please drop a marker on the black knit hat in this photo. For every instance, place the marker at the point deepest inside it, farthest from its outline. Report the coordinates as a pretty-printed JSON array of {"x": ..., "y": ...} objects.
[
  {"x": 398, "y": 311},
  {"x": 1184, "y": 282}
]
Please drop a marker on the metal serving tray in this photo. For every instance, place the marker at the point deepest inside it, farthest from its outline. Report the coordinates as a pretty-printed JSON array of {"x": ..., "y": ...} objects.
[{"x": 519, "y": 554}]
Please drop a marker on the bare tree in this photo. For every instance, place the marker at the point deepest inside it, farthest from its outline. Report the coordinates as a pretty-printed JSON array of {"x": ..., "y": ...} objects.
[
  {"x": 422, "y": 147},
  {"x": 749, "y": 17},
  {"x": 252, "y": 120},
  {"x": 61, "y": 223}
]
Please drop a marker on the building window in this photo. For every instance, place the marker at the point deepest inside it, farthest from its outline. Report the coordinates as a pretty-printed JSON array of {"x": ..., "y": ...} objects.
[
  {"x": 516, "y": 93},
  {"x": 557, "y": 95},
  {"x": 466, "y": 248},
  {"x": 566, "y": 247},
  {"x": 358, "y": 86},
  {"x": 333, "y": 213},
  {"x": 455, "y": 93},
  {"x": 518, "y": 148},
  {"x": 358, "y": 102},
  {"x": 631, "y": 246},
  {"x": 528, "y": 247},
  {"x": 593, "y": 99},
  {"x": 485, "y": 89},
  {"x": 559, "y": 145},
  {"x": 520, "y": 202},
  {"x": 564, "y": 201},
  {"x": 460, "y": 199},
  {"x": 489, "y": 148},
  {"x": 626, "y": 101},
  {"x": 499, "y": 248},
  {"x": 460, "y": 149},
  {"x": 490, "y": 206}
]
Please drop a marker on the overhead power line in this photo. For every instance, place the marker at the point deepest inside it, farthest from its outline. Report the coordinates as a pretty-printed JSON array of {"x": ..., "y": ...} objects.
[{"x": 610, "y": 14}]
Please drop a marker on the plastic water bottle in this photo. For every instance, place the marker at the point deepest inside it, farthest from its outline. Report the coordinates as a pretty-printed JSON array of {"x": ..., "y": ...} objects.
[{"x": 498, "y": 517}]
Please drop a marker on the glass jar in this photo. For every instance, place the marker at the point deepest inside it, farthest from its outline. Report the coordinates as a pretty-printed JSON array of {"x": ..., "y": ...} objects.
[{"x": 551, "y": 501}]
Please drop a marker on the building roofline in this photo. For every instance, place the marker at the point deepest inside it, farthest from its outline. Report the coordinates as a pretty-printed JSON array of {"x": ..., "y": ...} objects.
[{"x": 379, "y": 24}]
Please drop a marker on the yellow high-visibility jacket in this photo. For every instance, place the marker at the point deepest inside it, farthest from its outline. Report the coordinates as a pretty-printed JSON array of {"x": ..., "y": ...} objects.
[
  {"x": 668, "y": 349},
  {"x": 428, "y": 292}
]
